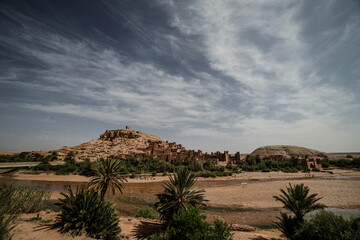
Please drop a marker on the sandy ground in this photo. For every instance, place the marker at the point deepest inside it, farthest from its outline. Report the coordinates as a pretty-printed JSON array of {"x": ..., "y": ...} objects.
[
  {"x": 258, "y": 195},
  {"x": 131, "y": 228},
  {"x": 245, "y": 190},
  {"x": 240, "y": 176}
]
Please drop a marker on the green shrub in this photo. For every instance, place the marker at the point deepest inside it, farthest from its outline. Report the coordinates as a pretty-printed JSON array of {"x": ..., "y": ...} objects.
[
  {"x": 86, "y": 168},
  {"x": 154, "y": 174},
  {"x": 70, "y": 158},
  {"x": 288, "y": 225},
  {"x": 45, "y": 160},
  {"x": 21, "y": 157},
  {"x": 34, "y": 199},
  {"x": 9, "y": 210},
  {"x": 54, "y": 156},
  {"x": 146, "y": 213},
  {"x": 223, "y": 174},
  {"x": 315, "y": 170},
  {"x": 85, "y": 211},
  {"x": 265, "y": 170},
  {"x": 190, "y": 225},
  {"x": 195, "y": 166},
  {"x": 206, "y": 174},
  {"x": 249, "y": 168},
  {"x": 14, "y": 200},
  {"x": 346, "y": 163},
  {"x": 210, "y": 166},
  {"x": 133, "y": 175},
  {"x": 289, "y": 170},
  {"x": 325, "y": 163},
  {"x": 326, "y": 225}
]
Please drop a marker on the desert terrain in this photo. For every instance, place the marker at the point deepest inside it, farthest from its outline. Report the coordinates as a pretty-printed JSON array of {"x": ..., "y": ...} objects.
[{"x": 242, "y": 199}]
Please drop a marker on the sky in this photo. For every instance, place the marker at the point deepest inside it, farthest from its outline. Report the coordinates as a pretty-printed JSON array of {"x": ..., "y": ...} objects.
[{"x": 207, "y": 74}]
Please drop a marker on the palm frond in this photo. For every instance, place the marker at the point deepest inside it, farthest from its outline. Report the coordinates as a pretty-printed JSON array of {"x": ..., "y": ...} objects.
[
  {"x": 178, "y": 194},
  {"x": 297, "y": 199},
  {"x": 107, "y": 177}
]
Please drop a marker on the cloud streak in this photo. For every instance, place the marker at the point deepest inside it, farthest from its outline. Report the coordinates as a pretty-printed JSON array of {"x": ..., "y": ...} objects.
[{"x": 270, "y": 72}]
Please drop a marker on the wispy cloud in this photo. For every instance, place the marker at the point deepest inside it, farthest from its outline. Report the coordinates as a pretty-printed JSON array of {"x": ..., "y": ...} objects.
[{"x": 265, "y": 71}]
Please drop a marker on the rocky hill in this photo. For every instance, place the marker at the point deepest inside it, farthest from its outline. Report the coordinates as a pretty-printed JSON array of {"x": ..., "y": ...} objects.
[
  {"x": 123, "y": 143},
  {"x": 117, "y": 143},
  {"x": 287, "y": 151}
]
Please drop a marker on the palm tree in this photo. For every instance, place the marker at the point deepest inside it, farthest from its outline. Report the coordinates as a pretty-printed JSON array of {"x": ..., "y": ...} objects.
[
  {"x": 108, "y": 176},
  {"x": 287, "y": 225},
  {"x": 177, "y": 194},
  {"x": 296, "y": 199}
]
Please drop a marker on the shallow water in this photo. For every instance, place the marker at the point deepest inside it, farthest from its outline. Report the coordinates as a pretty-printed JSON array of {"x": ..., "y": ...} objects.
[
  {"x": 342, "y": 177},
  {"x": 344, "y": 212}
]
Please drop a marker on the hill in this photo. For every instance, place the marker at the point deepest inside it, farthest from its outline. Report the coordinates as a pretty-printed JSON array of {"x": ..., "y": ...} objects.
[
  {"x": 123, "y": 143},
  {"x": 288, "y": 151}
]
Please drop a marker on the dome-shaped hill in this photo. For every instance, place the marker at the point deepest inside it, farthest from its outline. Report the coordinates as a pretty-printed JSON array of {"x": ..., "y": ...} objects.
[{"x": 287, "y": 151}]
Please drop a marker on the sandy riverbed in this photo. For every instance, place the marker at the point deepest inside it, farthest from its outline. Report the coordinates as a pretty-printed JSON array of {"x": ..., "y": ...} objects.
[
  {"x": 131, "y": 228},
  {"x": 241, "y": 176},
  {"x": 246, "y": 190}
]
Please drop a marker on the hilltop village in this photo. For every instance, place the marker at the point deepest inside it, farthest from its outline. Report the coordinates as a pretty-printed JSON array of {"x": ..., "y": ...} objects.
[{"x": 123, "y": 143}]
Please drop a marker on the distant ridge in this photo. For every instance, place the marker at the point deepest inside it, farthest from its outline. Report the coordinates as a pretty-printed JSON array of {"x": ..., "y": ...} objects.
[{"x": 287, "y": 151}]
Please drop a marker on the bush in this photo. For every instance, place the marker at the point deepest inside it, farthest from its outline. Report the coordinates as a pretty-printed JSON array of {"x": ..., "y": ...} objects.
[
  {"x": 133, "y": 175},
  {"x": 249, "y": 168},
  {"x": 326, "y": 225},
  {"x": 289, "y": 170},
  {"x": 85, "y": 211},
  {"x": 154, "y": 174},
  {"x": 210, "y": 166},
  {"x": 265, "y": 170},
  {"x": 346, "y": 163},
  {"x": 223, "y": 174},
  {"x": 146, "y": 213},
  {"x": 287, "y": 225},
  {"x": 9, "y": 210},
  {"x": 14, "y": 200},
  {"x": 315, "y": 170},
  {"x": 195, "y": 166},
  {"x": 86, "y": 168},
  {"x": 206, "y": 174},
  {"x": 70, "y": 158},
  {"x": 325, "y": 163},
  {"x": 190, "y": 225}
]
